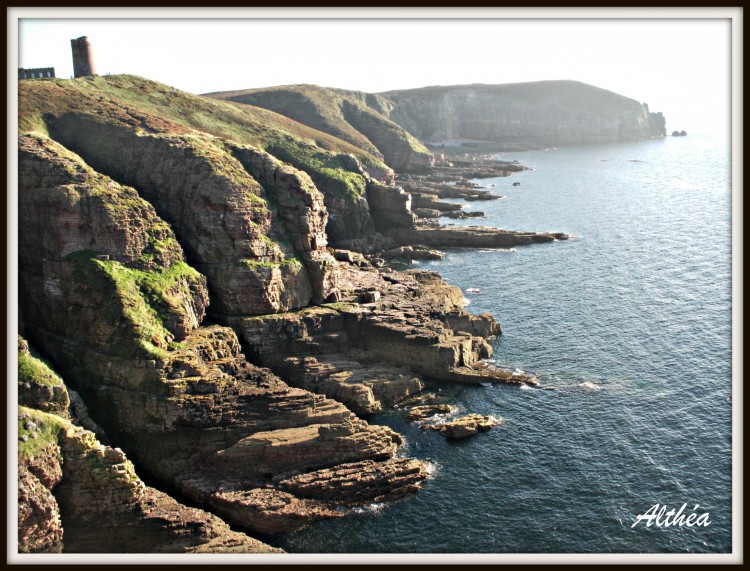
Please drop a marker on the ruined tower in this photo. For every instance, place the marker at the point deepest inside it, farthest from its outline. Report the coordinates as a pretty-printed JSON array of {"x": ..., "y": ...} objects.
[{"x": 83, "y": 57}]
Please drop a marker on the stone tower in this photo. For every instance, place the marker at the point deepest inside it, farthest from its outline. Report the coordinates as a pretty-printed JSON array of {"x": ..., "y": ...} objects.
[{"x": 83, "y": 57}]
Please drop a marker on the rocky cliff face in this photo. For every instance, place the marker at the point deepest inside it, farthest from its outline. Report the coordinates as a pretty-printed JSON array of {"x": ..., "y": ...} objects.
[
  {"x": 546, "y": 112},
  {"x": 230, "y": 237},
  {"x": 108, "y": 298}
]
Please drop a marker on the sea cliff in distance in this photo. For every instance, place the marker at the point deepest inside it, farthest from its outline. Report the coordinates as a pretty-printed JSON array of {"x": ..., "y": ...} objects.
[
  {"x": 204, "y": 300},
  {"x": 492, "y": 117}
]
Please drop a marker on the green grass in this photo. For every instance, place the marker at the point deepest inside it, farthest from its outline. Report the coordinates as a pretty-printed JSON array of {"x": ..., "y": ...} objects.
[
  {"x": 137, "y": 295},
  {"x": 34, "y": 370},
  {"x": 338, "y": 305},
  {"x": 324, "y": 169},
  {"x": 48, "y": 426},
  {"x": 255, "y": 264},
  {"x": 312, "y": 105},
  {"x": 147, "y": 324}
]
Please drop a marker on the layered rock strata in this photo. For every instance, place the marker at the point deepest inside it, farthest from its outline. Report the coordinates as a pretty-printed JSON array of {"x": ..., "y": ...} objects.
[
  {"x": 219, "y": 212},
  {"x": 109, "y": 300},
  {"x": 371, "y": 351},
  {"x": 122, "y": 242}
]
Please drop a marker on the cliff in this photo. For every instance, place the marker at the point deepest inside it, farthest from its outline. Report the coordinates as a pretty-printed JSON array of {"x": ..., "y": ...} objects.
[
  {"x": 141, "y": 212},
  {"x": 108, "y": 297},
  {"x": 542, "y": 113}
]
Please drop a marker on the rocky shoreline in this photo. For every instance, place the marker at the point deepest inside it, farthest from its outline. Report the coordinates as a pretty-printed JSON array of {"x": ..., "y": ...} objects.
[{"x": 197, "y": 325}]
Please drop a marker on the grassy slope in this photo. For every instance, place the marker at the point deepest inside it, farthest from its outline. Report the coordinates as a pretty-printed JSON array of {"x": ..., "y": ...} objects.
[
  {"x": 154, "y": 107},
  {"x": 310, "y": 105},
  {"x": 322, "y": 108},
  {"x": 32, "y": 369}
]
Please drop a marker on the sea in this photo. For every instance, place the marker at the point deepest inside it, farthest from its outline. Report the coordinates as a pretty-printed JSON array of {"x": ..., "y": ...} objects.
[{"x": 628, "y": 326}]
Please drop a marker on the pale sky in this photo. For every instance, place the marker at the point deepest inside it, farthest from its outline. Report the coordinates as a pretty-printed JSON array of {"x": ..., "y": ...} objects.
[{"x": 678, "y": 66}]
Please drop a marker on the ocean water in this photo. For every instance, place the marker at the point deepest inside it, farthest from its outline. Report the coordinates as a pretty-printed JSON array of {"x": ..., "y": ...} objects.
[{"x": 629, "y": 322}]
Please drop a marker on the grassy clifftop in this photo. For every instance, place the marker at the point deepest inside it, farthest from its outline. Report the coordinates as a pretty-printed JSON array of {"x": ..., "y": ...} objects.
[
  {"x": 355, "y": 117},
  {"x": 152, "y": 107}
]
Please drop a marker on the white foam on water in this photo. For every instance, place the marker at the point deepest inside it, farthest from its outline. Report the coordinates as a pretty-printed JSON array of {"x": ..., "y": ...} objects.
[
  {"x": 431, "y": 469},
  {"x": 590, "y": 386},
  {"x": 371, "y": 509}
]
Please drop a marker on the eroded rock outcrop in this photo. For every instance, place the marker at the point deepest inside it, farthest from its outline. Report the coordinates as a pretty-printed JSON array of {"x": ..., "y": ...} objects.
[
  {"x": 39, "y": 387},
  {"x": 39, "y": 471},
  {"x": 112, "y": 301},
  {"x": 77, "y": 496},
  {"x": 81, "y": 228},
  {"x": 464, "y": 426},
  {"x": 372, "y": 352}
]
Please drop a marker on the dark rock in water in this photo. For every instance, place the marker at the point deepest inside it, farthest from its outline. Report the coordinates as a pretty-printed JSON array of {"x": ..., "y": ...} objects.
[
  {"x": 470, "y": 237},
  {"x": 679, "y": 134},
  {"x": 462, "y": 215},
  {"x": 483, "y": 196},
  {"x": 516, "y": 184},
  {"x": 481, "y": 373},
  {"x": 418, "y": 400},
  {"x": 427, "y": 212}
]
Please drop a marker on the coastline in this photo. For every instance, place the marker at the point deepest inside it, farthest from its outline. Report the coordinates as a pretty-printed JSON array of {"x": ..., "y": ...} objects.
[{"x": 240, "y": 317}]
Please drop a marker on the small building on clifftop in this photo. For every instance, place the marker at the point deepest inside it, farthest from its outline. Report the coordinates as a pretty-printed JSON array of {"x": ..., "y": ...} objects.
[{"x": 83, "y": 57}]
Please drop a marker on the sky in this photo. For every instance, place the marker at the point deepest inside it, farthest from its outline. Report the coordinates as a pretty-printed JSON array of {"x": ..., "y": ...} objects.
[{"x": 678, "y": 66}]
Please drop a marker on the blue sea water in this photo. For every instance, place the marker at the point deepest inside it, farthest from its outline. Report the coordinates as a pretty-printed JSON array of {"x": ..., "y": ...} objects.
[{"x": 629, "y": 322}]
